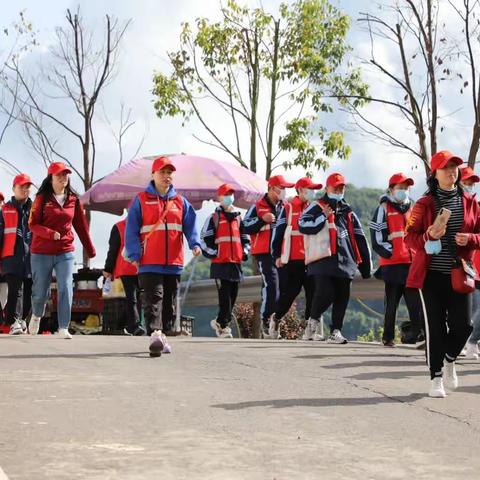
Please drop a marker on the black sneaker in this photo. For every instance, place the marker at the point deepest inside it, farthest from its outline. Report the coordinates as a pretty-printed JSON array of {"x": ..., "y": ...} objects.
[{"x": 139, "y": 332}]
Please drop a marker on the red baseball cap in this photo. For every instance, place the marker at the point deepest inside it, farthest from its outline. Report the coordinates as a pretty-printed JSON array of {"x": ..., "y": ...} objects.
[
  {"x": 225, "y": 189},
  {"x": 162, "y": 162},
  {"x": 58, "y": 167},
  {"x": 336, "y": 179},
  {"x": 440, "y": 159},
  {"x": 306, "y": 182},
  {"x": 397, "y": 178},
  {"x": 22, "y": 179},
  {"x": 469, "y": 174},
  {"x": 279, "y": 181}
]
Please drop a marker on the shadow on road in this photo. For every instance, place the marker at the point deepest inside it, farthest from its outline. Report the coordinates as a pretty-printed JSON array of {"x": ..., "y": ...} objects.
[
  {"x": 142, "y": 354},
  {"x": 322, "y": 402},
  {"x": 404, "y": 374}
]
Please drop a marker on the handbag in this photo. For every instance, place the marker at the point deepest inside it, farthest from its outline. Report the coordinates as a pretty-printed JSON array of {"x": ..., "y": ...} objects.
[
  {"x": 317, "y": 246},
  {"x": 463, "y": 276}
]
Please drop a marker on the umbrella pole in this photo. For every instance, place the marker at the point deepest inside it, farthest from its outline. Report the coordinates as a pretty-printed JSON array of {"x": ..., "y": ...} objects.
[{"x": 181, "y": 298}]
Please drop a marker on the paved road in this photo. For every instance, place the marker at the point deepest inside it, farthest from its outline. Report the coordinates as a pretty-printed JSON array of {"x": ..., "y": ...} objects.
[{"x": 99, "y": 408}]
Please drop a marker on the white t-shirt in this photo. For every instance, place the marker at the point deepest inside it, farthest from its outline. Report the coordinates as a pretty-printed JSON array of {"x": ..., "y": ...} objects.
[{"x": 61, "y": 199}]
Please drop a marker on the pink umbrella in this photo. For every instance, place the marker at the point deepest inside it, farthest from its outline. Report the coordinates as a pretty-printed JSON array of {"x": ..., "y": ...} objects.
[{"x": 197, "y": 178}]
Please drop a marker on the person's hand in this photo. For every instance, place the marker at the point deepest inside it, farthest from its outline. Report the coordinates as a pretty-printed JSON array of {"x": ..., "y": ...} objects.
[
  {"x": 56, "y": 236},
  {"x": 196, "y": 251},
  {"x": 462, "y": 239},
  {"x": 327, "y": 210},
  {"x": 279, "y": 263},
  {"x": 268, "y": 217},
  {"x": 436, "y": 233},
  {"x": 107, "y": 274}
]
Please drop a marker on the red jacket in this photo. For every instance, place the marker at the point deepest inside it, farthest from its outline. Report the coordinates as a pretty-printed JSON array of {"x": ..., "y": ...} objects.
[
  {"x": 48, "y": 217},
  {"x": 122, "y": 267},
  {"x": 396, "y": 222},
  {"x": 423, "y": 215}
]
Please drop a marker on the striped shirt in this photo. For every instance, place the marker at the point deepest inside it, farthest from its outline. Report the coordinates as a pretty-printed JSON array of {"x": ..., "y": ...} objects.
[{"x": 453, "y": 201}]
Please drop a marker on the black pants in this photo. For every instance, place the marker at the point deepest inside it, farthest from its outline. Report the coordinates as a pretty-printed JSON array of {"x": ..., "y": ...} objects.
[
  {"x": 134, "y": 307},
  {"x": 19, "y": 300},
  {"x": 227, "y": 296},
  {"x": 270, "y": 286},
  {"x": 333, "y": 291},
  {"x": 293, "y": 277},
  {"x": 393, "y": 294},
  {"x": 444, "y": 307},
  {"x": 159, "y": 298}
]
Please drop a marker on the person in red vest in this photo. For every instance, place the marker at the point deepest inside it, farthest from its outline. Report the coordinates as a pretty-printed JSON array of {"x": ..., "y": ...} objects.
[
  {"x": 157, "y": 221},
  {"x": 289, "y": 255},
  {"x": 468, "y": 182},
  {"x": 387, "y": 230},
  {"x": 335, "y": 248},
  {"x": 117, "y": 267},
  {"x": 56, "y": 212},
  {"x": 259, "y": 222},
  {"x": 441, "y": 267},
  {"x": 3, "y": 288},
  {"x": 15, "y": 239},
  {"x": 224, "y": 241}
]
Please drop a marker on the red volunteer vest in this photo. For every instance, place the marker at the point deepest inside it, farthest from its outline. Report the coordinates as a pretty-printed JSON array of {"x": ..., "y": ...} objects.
[
  {"x": 10, "y": 221},
  {"x": 332, "y": 230},
  {"x": 396, "y": 222},
  {"x": 297, "y": 249},
  {"x": 122, "y": 267},
  {"x": 228, "y": 240},
  {"x": 261, "y": 240},
  {"x": 162, "y": 241}
]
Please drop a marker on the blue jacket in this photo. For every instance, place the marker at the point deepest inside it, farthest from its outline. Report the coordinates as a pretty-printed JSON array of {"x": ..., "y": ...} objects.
[
  {"x": 133, "y": 244},
  {"x": 19, "y": 263}
]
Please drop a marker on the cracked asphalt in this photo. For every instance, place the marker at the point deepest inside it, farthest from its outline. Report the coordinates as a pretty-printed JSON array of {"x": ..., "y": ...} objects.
[{"x": 99, "y": 408}]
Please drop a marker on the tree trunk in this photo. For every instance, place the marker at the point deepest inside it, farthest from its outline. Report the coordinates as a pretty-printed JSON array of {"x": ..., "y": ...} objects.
[
  {"x": 273, "y": 97},
  {"x": 254, "y": 101},
  {"x": 472, "y": 154}
]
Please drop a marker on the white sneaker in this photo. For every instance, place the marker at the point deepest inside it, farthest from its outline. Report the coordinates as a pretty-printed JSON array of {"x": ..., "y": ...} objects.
[
  {"x": 319, "y": 335},
  {"x": 310, "y": 329},
  {"x": 157, "y": 343},
  {"x": 450, "y": 376},
  {"x": 226, "y": 332},
  {"x": 337, "y": 337},
  {"x": 472, "y": 351},
  {"x": 436, "y": 388},
  {"x": 274, "y": 328},
  {"x": 34, "y": 325},
  {"x": 16, "y": 328},
  {"x": 64, "y": 333},
  {"x": 216, "y": 327}
]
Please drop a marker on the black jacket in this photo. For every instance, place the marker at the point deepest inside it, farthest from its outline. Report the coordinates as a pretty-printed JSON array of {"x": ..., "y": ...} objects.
[
  {"x": 343, "y": 263},
  {"x": 114, "y": 243},
  {"x": 19, "y": 263}
]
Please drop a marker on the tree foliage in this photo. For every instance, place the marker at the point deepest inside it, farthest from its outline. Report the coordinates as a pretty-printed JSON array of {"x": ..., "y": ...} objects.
[{"x": 259, "y": 81}]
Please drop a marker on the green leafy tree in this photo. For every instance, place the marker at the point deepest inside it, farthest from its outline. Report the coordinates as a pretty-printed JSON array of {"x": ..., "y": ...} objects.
[{"x": 269, "y": 76}]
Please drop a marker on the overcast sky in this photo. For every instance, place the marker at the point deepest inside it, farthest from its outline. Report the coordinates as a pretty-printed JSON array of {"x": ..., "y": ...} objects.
[{"x": 154, "y": 30}]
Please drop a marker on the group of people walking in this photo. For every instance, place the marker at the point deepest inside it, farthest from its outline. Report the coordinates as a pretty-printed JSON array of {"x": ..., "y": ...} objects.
[{"x": 313, "y": 241}]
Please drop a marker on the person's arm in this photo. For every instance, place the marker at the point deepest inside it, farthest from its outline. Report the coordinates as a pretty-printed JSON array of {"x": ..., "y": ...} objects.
[
  {"x": 379, "y": 233},
  {"x": 365, "y": 267},
  {"x": 35, "y": 220},
  {"x": 279, "y": 233},
  {"x": 80, "y": 225},
  {"x": 245, "y": 239},
  {"x": 207, "y": 239},
  {"x": 133, "y": 244},
  {"x": 114, "y": 243},
  {"x": 473, "y": 241},
  {"x": 415, "y": 233},
  {"x": 312, "y": 220},
  {"x": 2, "y": 228},
  {"x": 189, "y": 225},
  {"x": 252, "y": 223}
]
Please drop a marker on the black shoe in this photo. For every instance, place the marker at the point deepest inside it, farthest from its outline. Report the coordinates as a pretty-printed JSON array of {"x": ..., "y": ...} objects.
[
  {"x": 410, "y": 339},
  {"x": 139, "y": 332},
  {"x": 126, "y": 333}
]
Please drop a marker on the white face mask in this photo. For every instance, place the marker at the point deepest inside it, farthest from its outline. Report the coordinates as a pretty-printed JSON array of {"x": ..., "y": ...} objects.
[
  {"x": 227, "y": 200},
  {"x": 282, "y": 195},
  {"x": 309, "y": 195}
]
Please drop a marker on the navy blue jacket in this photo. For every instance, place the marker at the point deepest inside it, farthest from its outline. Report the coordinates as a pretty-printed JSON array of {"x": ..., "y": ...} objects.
[{"x": 343, "y": 263}]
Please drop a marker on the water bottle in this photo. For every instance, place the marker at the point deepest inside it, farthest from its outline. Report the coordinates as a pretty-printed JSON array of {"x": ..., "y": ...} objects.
[{"x": 107, "y": 286}]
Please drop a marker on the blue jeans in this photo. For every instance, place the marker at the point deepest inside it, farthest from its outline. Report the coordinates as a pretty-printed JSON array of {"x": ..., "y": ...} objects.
[
  {"x": 475, "y": 336},
  {"x": 42, "y": 268}
]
